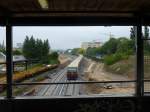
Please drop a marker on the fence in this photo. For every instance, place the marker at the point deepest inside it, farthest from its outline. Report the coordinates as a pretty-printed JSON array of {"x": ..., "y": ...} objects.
[
  {"x": 23, "y": 62},
  {"x": 146, "y": 59}
]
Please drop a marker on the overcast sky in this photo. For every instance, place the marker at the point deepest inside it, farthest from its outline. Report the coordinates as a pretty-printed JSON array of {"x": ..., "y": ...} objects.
[{"x": 67, "y": 37}]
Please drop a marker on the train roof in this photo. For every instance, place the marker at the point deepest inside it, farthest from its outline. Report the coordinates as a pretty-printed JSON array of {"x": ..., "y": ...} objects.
[{"x": 76, "y": 62}]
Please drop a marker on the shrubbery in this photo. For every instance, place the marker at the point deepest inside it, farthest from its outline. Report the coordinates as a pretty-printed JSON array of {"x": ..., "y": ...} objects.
[
  {"x": 77, "y": 51},
  {"x": 19, "y": 76},
  {"x": 111, "y": 59},
  {"x": 53, "y": 58},
  {"x": 2, "y": 48},
  {"x": 17, "y": 52},
  {"x": 113, "y": 50}
]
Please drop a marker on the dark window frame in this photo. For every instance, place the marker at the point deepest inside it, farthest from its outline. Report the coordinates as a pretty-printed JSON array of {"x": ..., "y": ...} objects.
[{"x": 75, "y": 21}]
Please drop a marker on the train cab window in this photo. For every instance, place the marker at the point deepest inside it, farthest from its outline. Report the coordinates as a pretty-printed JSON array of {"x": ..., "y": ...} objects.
[{"x": 73, "y": 61}]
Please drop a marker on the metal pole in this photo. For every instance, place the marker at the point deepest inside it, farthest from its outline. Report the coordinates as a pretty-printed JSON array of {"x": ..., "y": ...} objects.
[
  {"x": 13, "y": 67},
  {"x": 9, "y": 63},
  {"x": 26, "y": 64},
  {"x": 139, "y": 57}
]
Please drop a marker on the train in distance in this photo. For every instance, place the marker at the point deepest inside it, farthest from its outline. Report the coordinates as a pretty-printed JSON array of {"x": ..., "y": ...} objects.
[{"x": 73, "y": 68}]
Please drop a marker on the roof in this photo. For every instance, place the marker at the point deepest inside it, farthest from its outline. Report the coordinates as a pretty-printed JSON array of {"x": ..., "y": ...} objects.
[
  {"x": 73, "y": 12},
  {"x": 70, "y": 7},
  {"x": 18, "y": 58}
]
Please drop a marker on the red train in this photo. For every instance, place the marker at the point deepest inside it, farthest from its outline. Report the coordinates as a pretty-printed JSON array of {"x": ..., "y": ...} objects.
[{"x": 73, "y": 68}]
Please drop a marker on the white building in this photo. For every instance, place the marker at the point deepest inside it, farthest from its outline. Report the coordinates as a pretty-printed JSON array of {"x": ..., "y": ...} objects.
[
  {"x": 86, "y": 45},
  {"x": 18, "y": 58}
]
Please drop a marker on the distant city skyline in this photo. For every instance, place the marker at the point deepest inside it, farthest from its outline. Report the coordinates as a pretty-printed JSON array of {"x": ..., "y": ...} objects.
[{"x": 67, "y": 37}]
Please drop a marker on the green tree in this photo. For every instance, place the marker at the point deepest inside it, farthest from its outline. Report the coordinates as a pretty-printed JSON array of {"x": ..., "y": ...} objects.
[
  {"x": 53, "y": 58},
  {"x": 125, "y": 45},
  {"x": 46, "y": 47},
  {"x": 36, "y": 49},
  {"x": 2, "y": 48},
  {"x": 75, "y": 51},
  {"x": 26, "y": 48},
  {"x": 39, "y": 49},
  {"x": 17, "y": 52},
  {"x": 32, "y": 44},
  {"x": 91, "y": 51},
  {"x": 54, "y": 55},
  {"x": 146, "y": 43},
  {"x": 45, "y": 51},
  {"x": 146, "y": 32},
  {"x": 132, "y": 33},
  {"x": 81, "y": 51},
  {"x": 29, "y": 49},
  {"x": 109, "y": 47}
]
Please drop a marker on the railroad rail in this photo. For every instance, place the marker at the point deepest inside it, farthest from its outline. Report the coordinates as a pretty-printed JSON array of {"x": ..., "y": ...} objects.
[{"x": 59, "y": 89}]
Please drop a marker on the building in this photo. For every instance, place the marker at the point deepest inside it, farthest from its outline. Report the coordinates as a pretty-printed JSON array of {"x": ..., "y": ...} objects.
[
  {"x": 18, "y": 58},
  {"x": 15, "y": 57},
  {"x": 3, "y": 60},
  {"x": 86, "y": 45}
]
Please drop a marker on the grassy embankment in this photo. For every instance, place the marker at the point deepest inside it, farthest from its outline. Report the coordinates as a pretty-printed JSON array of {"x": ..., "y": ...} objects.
[
  {"x": 122, "y": 67},
  {"x": 127, "y": 67}
]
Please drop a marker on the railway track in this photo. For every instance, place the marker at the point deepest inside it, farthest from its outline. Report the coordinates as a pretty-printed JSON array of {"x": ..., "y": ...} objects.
[
  {"x": 45, "y": 88},
  {"x": 59, "y": 89}
]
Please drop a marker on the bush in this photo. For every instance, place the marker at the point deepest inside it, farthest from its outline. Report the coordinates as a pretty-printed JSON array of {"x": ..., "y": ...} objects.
[
  {"x": 111, "y": 59},
  {"x": 52, "y": 62},
  {"x": 19, "y": 76},
  {"x": 51, "y": 59},
  {"x": 17, "y": 52}
]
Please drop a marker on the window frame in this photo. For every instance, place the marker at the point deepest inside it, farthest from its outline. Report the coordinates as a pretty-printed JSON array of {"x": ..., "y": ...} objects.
[{"x": 75, "y": 21}]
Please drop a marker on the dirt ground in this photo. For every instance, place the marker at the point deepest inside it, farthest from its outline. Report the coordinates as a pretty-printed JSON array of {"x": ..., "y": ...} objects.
[
  {"x": 94, "y": 71},
  {"x": 63, "y": 58}
]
